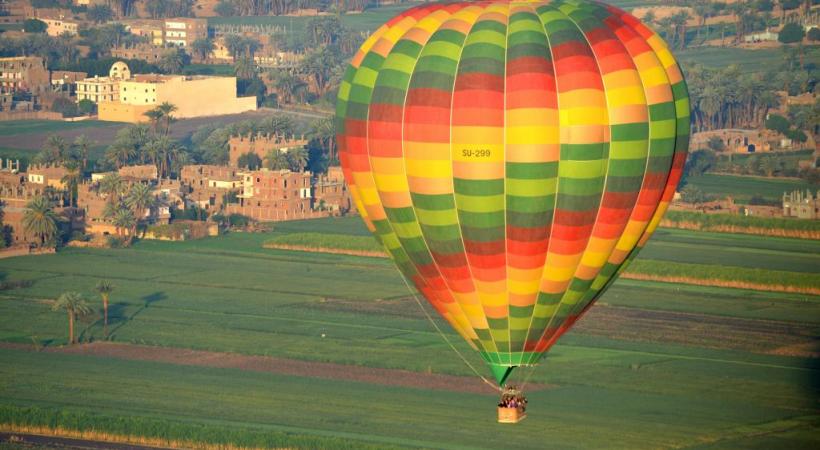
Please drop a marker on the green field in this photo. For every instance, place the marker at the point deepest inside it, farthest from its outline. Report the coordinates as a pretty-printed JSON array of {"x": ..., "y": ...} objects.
[
  {"x": 762, "y": 60},
  {"x": 742, "y": 189},
  {"x": 15, "y": 127},
  {"x": 230, "y": 294}
]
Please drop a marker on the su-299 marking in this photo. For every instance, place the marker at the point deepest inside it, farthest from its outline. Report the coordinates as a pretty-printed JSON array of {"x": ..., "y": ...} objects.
[{"x": 476, "y": 153}]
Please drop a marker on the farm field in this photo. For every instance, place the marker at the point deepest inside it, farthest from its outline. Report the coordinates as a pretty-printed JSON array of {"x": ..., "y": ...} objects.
[
  {"x": 741, "y": 188},
  {"x": 20, "y": 127},
  {"x": 747, "y": 60},
  {"x": 635, "y": 372}
]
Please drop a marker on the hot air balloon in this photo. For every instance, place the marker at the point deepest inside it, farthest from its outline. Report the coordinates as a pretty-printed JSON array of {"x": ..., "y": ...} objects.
[{"x": 512, "y": 157}]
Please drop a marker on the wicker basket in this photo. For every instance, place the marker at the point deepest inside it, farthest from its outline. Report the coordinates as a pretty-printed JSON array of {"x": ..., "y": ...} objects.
[{"x": 511, "y": 415}]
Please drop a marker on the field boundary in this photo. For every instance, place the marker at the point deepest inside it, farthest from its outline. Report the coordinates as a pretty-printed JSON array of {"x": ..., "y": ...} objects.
[{"x": 721, "y": 283}]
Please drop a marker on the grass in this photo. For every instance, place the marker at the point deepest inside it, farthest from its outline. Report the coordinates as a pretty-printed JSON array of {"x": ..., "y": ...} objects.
[
  {"x": 209, "y": 69},
  {"x": 231, "y": 294},
  {"x": 742, "y": 189},
  {"x": 747, "y": 224},
  {"x": 761, "y": 60},
  {"x": 326, "y": 241},
  {"x": 742, "y": 276},
  {"x": 659, "y": 411},
  {"x": 15, "y": 127}
]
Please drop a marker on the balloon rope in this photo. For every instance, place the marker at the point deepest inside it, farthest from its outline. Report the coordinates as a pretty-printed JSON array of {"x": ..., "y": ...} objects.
[{"x": 430, "y": 318}]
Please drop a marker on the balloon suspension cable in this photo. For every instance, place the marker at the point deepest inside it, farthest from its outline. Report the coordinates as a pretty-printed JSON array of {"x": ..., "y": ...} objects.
[
  {"x": 435, "y": 325},
  {"x": 531, "y": 371}
]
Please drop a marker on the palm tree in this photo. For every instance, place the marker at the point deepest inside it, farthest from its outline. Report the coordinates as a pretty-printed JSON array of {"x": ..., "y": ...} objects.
[
  {"x": 39, "y": 219},
  {"x": 203, "y": 47},
  {"x": 112, "y": 185},
  {"x": 166, "y": 109},
  {"x": 139, "y": 199},
  {"x": 83, "y": 145},
  {"x": 75, "y": 305},
  {"x": 297, "y": 159},
  {"x": 276, "y": 160},
  {"x": 154, "y": 116},
  {"x": 71, "y": 180},
  {"x": 120, "y": 154},
  {"x": 124, "y": 220},
  {"x": 245, "y": 68},
  {"x": 104, "y": 288},
  {"x": 325, "y": 131},
  {"x": 54, "y": 150}
]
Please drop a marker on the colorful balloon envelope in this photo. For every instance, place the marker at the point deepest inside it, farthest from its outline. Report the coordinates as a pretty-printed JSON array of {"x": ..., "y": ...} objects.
[{"x": 512, "y": 157}]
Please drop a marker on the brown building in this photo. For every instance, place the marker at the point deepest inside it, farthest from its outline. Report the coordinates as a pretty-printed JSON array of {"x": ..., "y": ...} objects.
[
  {"x": 24, "y": 73},
  {"x": 209, "y": 186},
  {"x": 65, "y": 81},
  {"x": 146, "y": 52},
  {"x": 183, "y": 31},
  {"x": 145, "y": 172},
  {"x": 260, "y": 145},
  {"x": 330, "y": 192},
  {"x": 274, "y": 195},
  {"x": 47, "y": 175},
  {"x": 15, "y": 192}
]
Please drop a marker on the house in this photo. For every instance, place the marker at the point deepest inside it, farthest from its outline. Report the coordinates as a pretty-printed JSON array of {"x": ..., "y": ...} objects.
[
  {"x": 801, "y": 205},
  {"x": 274, "y": 195},
  {"x": 24, "y": 74},
  {"x": 104, "y": 89}
]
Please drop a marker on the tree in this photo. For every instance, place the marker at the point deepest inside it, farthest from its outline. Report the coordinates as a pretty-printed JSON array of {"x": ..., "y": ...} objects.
[
  {"x": 87, "y": 107},
  {"x": 172, "y": 61},
  {"x": 124, "y": 220},
  {"x": 140, "y": 198},
  {"x": 814, "y": 34},
  {"x": 203, "y": 47},
  {"x": 112, "y": 186},
  {"x": 55, "y": 151},
  {"x": 225, "y": 8},
  {"x": 119, "y": 154},
  {"x": 72, "y": 178},
  {"x": 162, "y": 114},
  {"x": 250, "y": 161},
  {"x": 276, "y": 160},
  {"x": 39, "y": 219},
  {"x": 296, "y": 158},
  {"x": 791, "y": 33},
  {"x": 778, "y": 123},
  {"x": 693, "y": 194},
  {"x": 716, "y": 144},
  {"x": 82, "y": 147},
  {"x": 324, "y": 130},
  {"x": 65, "y": 106},
  {"x": 34, "y": 26},
  {"x": 104, "y": 288},
  {"x": 245, "y": 68},
  {"x": 99, "y": 13},
  {"x": 75, "y": 305}
]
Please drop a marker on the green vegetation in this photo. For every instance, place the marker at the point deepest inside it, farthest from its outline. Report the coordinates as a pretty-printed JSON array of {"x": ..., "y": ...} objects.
[
  {"x": 722, "y": 222},
  {"x": 762, "y": 60},
  {"x": 231, "y": 294},
  {"x": 326, "y": 241},
  {"x": 713, "y": 272},
  {"x": 15, "y": 127},
  {"x": 742, "y": 189}
]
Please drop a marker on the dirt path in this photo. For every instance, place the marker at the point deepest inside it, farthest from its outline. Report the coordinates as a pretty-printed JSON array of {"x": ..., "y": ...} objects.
[
  {"x": 282, "y": 366},
  {"x": 24, "y": 440}
]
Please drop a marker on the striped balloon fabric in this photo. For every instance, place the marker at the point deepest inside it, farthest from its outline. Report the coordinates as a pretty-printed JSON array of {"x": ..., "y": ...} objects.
[{"x": 512, "y": 157}]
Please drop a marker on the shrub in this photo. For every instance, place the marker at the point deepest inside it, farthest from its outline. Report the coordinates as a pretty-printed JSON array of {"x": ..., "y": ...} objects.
[
  {"x": 34, "y": 26},
  {"x": 791, "y": 33}
]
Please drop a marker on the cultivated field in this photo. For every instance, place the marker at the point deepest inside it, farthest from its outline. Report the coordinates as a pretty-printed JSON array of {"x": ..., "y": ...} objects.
[
  {"x": 654, "y": 365},
  {"x": 742, "y": 188}
]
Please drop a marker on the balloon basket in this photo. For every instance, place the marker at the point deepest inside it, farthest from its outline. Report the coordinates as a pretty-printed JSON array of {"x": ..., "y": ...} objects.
[{"x": 511, "y": 415}]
